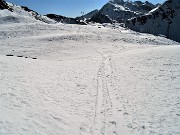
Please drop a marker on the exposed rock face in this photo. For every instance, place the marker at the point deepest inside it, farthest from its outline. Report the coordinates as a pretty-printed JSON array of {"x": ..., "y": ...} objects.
[
  {"x": 60, "y": 18},
  {"x": 120, "y": 11},
  {"x": 4, "y": 5},
  {"x": 163, "y": 20},
  {"x": 101, "y": 18}
]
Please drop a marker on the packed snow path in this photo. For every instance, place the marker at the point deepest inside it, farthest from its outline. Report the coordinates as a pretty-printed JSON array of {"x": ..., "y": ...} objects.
[{"x": 87, "y": 80}]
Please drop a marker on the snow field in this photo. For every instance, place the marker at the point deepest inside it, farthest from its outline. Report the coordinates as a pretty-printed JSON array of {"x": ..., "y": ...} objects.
[{"x": 87, "y": 81}]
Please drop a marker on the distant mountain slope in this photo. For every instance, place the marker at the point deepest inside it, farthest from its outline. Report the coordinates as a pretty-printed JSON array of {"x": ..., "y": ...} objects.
[
  {"x": 88, "y": 15},
  {"x": 163, "y": 20},
  {"x": 78, "y": 20},
  {"x": 63, "y": 19},
  {"x": 119, "y": 10},
  {"x": 11, "y": 13}
]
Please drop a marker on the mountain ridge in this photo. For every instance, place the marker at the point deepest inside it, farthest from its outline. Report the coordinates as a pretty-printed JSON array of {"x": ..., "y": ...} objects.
[
  {"x": 163, "y": 20},
  {"x": 120, "y": 11}
]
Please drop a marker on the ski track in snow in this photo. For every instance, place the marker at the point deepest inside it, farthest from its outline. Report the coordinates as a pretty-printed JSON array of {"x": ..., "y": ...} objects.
[
  {"x": 85, "y": 80},
  {"x": 104, "y": 105}
]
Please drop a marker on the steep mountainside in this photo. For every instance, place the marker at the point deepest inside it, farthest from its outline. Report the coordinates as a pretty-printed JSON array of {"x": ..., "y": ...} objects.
[
  {"x": 10, "y": 13},
  {"x": 119, "y": 10},
  {"x": 163, "y": 20}
]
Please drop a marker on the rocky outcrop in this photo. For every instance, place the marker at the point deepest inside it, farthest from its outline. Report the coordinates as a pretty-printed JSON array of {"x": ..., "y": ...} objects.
[
  {"x": 101, "y": 18},
  {"x": 163, "y": 20},
  {"x": 4, "y": 5},
  {"x": 63, "y": 19}
]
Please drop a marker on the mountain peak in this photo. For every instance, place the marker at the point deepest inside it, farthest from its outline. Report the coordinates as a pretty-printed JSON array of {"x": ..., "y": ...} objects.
[
  {"x": 120, "y": 10},
  {"x": 117, "y": 1}
]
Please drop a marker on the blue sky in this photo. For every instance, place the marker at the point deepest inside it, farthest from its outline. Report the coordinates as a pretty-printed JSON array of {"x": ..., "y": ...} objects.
[{"x": 70, "y": 8}]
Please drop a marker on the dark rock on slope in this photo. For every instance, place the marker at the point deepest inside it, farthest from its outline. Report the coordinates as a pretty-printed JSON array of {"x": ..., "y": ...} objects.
[
  {"x": 101, "y": 18},
  {"x": 4, "y": 5},
  {"x": 63, "y": 19},
  {"x": 163, "y": 20}
]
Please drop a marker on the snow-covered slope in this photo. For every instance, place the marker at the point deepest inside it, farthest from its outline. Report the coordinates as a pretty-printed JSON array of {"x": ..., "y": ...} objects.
[
  {"x": 162, "y": 20},
  {"x": 7, "y": 16},
  {"x": 79, "y": 80},
  {"x": 16, "y": 14},
  {"x": 58, "y": 79},
  {"x": 120, "y": 10}
]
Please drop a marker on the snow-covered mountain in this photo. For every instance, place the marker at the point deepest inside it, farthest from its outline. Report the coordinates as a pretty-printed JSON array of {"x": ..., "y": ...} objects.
[
  {"x": 162, "y": 20},
  {"x": 10, "y": 13},
  {"x": 119, "y": 10}
]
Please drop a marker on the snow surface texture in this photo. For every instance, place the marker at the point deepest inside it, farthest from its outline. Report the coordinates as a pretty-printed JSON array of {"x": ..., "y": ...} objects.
[
  {"x": 85, "y": 80},
  {"x": 79, "y": 80},
  {"x": 163, "y": 20}
]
